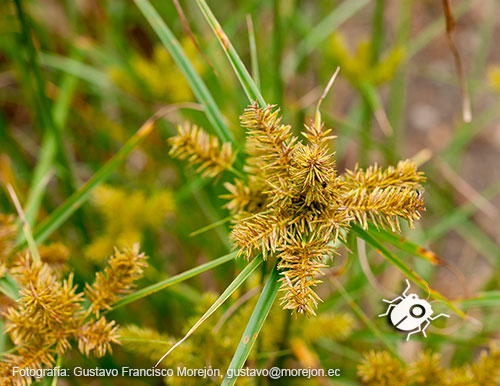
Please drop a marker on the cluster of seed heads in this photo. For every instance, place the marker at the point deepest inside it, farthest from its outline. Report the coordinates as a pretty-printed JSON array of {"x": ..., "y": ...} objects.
[{"x": 292, "y": 205}]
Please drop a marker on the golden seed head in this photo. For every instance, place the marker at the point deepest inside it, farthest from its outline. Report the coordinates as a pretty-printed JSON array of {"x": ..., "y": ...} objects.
[
  {"x": 124, "y": 268},
  {"x": 382, "y": 369},
  {"x": 201, "y": 149},
  {"x": 293, "y": 204}
]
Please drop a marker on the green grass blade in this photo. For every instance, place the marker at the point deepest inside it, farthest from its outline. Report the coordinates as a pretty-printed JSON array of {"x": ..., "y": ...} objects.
[
  {"x": 49, "y": 147},
  {"x": 244, "y": 274},
  {"x": 68, "y": 207},
  {"x": 239, "y": 68},
  {"x": 143, "y": 292},
  {"x": 77, "y": 69},
  {"x": 199, "y": 88},
  {"x": 210, "y": 226},
  {"x": 410, "y": 273},
  {"x": 277, "y": 48},
  {"x": 453, "y": 218},
  {"x": 477, "y": 238},
  {"x": 254, "y": 59},
  {"x": 406, "y": 245},
  {"x": 41, "y": 173},
  {"x": 483, "y": 299},
  {"x": 377, "y": 40},
  {"x": 52, "y": 381},
  {"x": 45, "y": 116},
  {"x": 254, "y": 326},
  {"x": 9, "y": 351},
  {"x": 208, "y": 209},
  {"x": 39, "y": 88},
  {"x": 8, "y": 287}
]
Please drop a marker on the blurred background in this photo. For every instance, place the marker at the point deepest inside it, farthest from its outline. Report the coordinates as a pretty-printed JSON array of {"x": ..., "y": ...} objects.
[{"x": 81, "y": 77}]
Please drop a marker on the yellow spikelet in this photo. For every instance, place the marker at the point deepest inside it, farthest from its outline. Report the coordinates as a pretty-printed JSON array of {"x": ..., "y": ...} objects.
[
  {"x": 270, "y": 142},
  {"x": 42, "y": 321},
  {"x": 301, "y": 262},
  {"x": 46, "y": 309},
  {"x": 461, "y": 376},
  {"x": 384, "y": 196},
  {"x": 427, "y": 370},
  {"x": 96, "y": 337},
  {"x": 312, "y": 169},
  {"x": 244, "y": 199},
  {"x": 260, "y": 232},
  {"x": 381, "y": 369},
  {"x": 26, "y": 357},
  {"x": 124, "y": 267},
  {"x": 405, "y": 174},
  {"x": 49, "y": 313},
  {"x": 295, "y": 205},
  {"x": 486, "y": 370},
  {"x": 201, "y": 149}
]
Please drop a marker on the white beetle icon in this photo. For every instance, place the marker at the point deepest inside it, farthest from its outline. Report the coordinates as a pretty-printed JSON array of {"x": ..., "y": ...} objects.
[{"x": 411, "y": 313}]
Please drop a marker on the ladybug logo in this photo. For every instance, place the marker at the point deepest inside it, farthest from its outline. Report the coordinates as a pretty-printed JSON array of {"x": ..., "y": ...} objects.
[{"x": 410, "y": 313}]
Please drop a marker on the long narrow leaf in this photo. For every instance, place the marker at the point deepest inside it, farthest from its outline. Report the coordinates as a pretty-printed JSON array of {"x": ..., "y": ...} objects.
[
  {"x": 68, "y": 207},
  {"x": 48, "y": 150},
  {"x": 410, "y": 273},
  {"x": 46, "y": 116},
  {"x": 199, "y": 88},
  {"x": 414, "y": 249},
  {"x": 8, "y": 287},
  {"x": 142, "y": 293},
  {"x": 254, "y": 326},
  {"x": 483, "y": 299},
  {"x": 78, "y": 69},
  {"x": 254, "y": 59},
  {"x": 406, "y": 245},
  {"x": 244, "y": 77},
  {"x": 244, "y": 274}
]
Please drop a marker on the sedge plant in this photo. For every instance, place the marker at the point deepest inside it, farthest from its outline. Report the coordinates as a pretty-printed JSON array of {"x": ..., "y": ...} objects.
[{"x": 289, "y": 205}]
